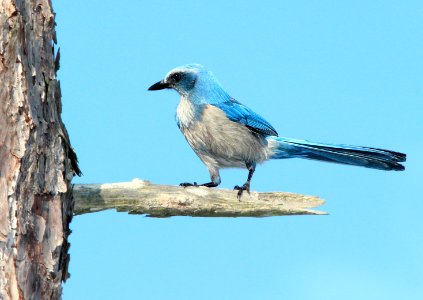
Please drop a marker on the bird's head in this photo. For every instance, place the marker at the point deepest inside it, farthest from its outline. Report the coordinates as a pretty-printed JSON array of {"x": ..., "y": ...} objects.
[
  {"x": 192, "y": 80},
  {"x": 182, "y": 79}
]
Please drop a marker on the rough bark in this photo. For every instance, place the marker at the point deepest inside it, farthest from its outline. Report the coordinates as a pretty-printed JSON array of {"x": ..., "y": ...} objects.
[
  {"x": 143, "y": 197},
  {"x": 36, "y": 161}
]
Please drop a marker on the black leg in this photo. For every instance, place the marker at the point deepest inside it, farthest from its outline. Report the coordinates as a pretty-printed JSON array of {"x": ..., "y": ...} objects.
[
  {"x": 214, "y": 177},
  {"x": 207, "y": 184},
  {"x": 246, "y": 187}
]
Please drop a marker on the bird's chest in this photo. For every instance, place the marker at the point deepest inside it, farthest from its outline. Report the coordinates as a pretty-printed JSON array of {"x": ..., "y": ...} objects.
[{"x": 214, "y": 137}]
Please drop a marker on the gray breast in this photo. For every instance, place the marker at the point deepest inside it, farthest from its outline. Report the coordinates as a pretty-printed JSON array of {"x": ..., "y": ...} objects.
[{"x": 218, "y": 141}]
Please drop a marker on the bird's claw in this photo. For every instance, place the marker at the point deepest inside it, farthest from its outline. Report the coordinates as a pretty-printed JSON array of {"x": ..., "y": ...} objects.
[
  {"x": 185, "y": 184},
  {"x": 241, "y": 189}
]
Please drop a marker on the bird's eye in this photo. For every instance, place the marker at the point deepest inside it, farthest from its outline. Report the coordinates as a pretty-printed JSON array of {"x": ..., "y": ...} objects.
[{"x": 176, "y": 77}]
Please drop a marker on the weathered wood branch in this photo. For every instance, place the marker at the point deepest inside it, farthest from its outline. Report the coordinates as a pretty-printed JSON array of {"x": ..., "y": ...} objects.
[{"x": 143, "y": 197}]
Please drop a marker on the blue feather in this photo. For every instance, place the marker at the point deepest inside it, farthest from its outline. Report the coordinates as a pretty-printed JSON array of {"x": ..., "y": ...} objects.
[
  {"x": 339, "y": 153},
  {"x": 238, "y": 112}
]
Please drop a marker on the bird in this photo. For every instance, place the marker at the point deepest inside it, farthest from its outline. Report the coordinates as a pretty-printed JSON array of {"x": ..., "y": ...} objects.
[{"x": 224, "y": 133}]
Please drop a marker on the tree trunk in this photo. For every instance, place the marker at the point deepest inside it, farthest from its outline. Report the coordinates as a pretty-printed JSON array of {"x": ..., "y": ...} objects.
[{"x": 36, "y": 160}]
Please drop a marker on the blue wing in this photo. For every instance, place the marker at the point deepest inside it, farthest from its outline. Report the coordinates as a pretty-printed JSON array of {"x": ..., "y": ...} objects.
[{"x": 238, "y": 112}]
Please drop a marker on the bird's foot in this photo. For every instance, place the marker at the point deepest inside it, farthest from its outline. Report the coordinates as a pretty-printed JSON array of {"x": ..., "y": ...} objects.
[
  {"x": 207, "y": 184},
  {"x": 185, "y": 184},
  {"x": 241, "y": 189}
]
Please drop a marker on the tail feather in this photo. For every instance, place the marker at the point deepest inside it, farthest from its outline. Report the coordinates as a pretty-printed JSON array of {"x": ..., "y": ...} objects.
[{"x": 368, "y": 157}]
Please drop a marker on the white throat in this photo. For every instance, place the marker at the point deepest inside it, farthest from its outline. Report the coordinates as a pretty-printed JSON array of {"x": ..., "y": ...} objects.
[{"x": 185, "y": 112}]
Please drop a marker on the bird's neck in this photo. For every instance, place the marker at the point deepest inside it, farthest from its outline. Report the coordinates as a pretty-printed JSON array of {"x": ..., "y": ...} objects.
[
  {"x": 192, "y": 103},
  {"x": 206, "y": 92},
  {"x": 187, "y": 112}
]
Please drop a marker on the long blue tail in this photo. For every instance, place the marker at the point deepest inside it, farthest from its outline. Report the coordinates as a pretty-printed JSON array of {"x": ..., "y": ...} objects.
[{"x": 343, "y": 154}]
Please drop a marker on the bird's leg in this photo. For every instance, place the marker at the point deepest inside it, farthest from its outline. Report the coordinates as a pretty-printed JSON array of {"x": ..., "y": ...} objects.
[
  {"x": 215, "y": 180},
  {"x": 246, "y": 187}
]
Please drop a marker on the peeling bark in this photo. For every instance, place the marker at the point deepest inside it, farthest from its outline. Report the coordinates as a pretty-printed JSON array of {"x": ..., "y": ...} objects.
[{"x": 36, "y": 160}]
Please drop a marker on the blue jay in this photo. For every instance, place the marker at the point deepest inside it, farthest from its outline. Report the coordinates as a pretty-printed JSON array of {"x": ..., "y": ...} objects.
[{"x": 225, "y": 133}]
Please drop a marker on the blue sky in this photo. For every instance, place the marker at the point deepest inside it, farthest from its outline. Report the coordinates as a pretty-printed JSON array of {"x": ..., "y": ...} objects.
[{"x": 329, "y": 71}]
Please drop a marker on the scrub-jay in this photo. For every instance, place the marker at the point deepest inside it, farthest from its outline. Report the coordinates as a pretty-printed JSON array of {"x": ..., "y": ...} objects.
[{"x": 225, "y": 133}]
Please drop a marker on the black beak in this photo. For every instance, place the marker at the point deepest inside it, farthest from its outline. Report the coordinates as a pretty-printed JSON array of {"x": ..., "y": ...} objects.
[{"x": 159, "y": 86}]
